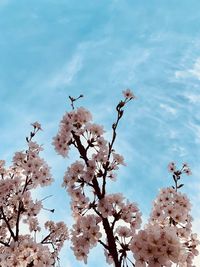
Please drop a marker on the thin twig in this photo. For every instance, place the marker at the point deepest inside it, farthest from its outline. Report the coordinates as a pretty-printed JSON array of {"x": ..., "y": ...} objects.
[{"x": 72, "y": 99}]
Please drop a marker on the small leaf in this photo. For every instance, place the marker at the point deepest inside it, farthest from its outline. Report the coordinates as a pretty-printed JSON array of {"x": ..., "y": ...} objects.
[{"x": 181, "y": 185}]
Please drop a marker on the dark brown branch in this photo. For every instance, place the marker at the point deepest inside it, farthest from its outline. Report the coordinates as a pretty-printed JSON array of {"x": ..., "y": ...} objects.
[
  {"x": 108, "y": 230},
  {"x": 83, "y": 155},
  {"x": 116, "y": 218},
  {"x": 103, "y": 244},
  {"x": 111, "y": 242},
  {"x": 44, "y": 239},
  {"x": 114, "y": 128},
  {"x": 25, "y": 185},
  {"x": 20, "y": 208},
  {"x": 8, "y": 225},
  {"x": 3, "y": 243},
  {"x": 81, "y": 148}
]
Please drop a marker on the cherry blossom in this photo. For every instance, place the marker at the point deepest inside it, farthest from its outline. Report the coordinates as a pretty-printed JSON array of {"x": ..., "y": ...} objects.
[
  {"x": 98, "y": 215},
  {"x": 100, "y": 218},
  {"x": 17, "y": 208},
  {"x": 110, "y": 219},
  {"x": 168, "y": 237},
  {"x": 128, "y": 94}
]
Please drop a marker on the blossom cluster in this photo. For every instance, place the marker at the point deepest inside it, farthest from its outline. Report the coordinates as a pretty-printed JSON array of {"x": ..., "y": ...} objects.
[
  {"x": 71, "y": 125},
  {"x": 173, "y": 208},
  {"x": 26, "y": 252},
  {"x": 157, "y": 246},
  {"x": 85, "y": 235},
  {"x": 99, "y": 217},
  {"x": 168, "y": 237},
  {"x": 111, "y": 220},
  {"x": 86, "y": 179},
  {"x": 18, "y": 209},
  {"x": 111, "y": 210},
  {"x": 185, "y": 169}
]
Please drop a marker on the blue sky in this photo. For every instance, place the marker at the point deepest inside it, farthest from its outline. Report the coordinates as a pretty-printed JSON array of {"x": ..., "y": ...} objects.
[{"x": 52, "y": 49}]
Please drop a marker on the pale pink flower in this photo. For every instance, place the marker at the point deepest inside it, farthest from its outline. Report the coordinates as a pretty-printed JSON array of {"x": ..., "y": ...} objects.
[
  {"x": 188, "y": 171},
  {"x": 36, "y": 125},
  {"x": 128, "y": 94},
  {"x": 171, "y": 167}
]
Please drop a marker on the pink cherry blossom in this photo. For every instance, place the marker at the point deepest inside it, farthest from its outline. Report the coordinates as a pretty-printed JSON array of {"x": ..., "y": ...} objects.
[
  {"x": 128, "y": 94},
  {"x": 110, "y": 219},
  {"x": 17, "y": 208}
]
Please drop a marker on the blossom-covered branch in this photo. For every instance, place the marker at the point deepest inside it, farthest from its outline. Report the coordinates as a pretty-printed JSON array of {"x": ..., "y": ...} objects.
[
  {"x": 85, "y": 180},
  {"x": 168, "y": 237},
  {"x": 18, "y": 210},
  {"x": 109, "y": 219}
]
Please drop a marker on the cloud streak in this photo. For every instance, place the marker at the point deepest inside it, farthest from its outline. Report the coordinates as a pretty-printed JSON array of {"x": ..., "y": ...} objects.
[
  {"x": 193, "y": 72},
  {"x": 67, "y": 74}
]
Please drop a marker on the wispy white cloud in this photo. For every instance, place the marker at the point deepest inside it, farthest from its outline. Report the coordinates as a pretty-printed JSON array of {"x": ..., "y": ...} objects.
[
  {"x": 124, "y": 69},
  {"x": 62, "y": 75},
  {"x": 180, "y": 150},
  {"x": 193, "y": 72},
  {"x": 192, "y": 98},
  {"x": 68, "y": 72},
  {"x": 168, "y": 109},
  {"x": 196, "y": 130}
]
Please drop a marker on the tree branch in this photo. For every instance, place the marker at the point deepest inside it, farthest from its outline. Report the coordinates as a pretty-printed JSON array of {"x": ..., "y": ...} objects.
[{"x": 8, "y": 225}]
